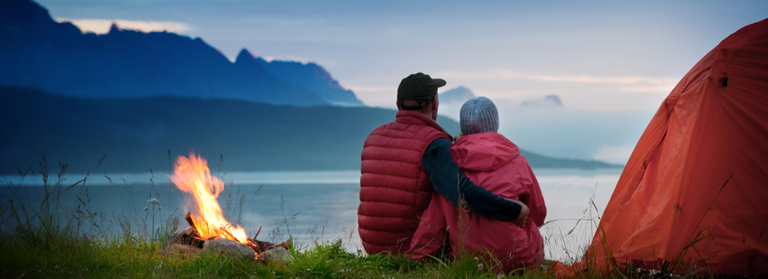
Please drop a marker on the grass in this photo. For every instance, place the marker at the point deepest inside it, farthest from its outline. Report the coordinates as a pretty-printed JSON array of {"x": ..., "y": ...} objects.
[
  {"x": 48, "y": 240},
  {"x": 52, "y": 252},
  {"x": 125, "y": 257}
]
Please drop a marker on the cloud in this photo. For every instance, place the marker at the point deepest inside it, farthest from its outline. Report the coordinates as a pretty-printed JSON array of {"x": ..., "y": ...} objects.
[
  {"x": 502, "y": 75},
  {"x": 101, "y": 26},
  {"x": 648, "y": 89},
  {"x": 604, "y": 80},
  {"x": 376, "y": 96},
  {"x": 293, "y": 58}
]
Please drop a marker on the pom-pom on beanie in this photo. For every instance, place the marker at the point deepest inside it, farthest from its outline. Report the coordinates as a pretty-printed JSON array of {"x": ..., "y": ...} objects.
[{"x": 478, "y": 115}]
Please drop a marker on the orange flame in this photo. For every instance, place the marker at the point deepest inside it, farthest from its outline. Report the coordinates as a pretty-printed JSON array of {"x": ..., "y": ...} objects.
[{"x": 192, "y": 175}]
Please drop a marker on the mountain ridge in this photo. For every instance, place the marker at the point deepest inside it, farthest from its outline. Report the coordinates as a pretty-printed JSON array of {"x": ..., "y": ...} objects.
[
  {"x": 549, "y": 101},
  {"x": 38, "y": 52},
  {"x": 456, "y": 96}
]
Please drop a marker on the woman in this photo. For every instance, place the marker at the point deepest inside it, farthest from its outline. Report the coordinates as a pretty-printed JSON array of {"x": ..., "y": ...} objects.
[{"x": 491, "y": 160}]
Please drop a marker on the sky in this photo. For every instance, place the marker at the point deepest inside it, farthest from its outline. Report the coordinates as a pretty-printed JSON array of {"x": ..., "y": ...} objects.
[{"x": 604, "y": 59}]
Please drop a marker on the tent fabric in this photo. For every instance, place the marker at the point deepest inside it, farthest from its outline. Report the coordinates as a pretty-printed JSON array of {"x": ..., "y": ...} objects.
[{"x": 673, "y": 192}]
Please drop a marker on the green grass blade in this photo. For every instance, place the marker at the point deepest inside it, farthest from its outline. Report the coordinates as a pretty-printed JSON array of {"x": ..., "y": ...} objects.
[{"x": 78, "y": 182}]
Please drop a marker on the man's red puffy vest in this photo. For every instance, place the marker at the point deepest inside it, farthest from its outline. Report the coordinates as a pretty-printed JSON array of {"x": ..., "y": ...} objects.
[{"x": 395, "y": 190}]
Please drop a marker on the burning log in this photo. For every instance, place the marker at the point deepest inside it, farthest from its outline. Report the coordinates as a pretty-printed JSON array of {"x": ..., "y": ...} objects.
[
  {"x": 191, "y": 237},
  {"x": 195, "y": 232},
  {"x": 254, "y": 246},
  {"x": 191, "y": 221},
  {"x": 190, "y": 218},
  {"x": 227, "y": 232}
]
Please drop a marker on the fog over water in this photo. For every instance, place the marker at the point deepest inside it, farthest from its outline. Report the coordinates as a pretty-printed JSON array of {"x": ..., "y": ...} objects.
[
  {"x": 310, "y": 205},
  {"x": 608, "y": 136}
]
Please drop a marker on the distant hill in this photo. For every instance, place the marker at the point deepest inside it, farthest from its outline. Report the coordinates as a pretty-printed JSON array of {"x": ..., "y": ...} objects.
[
  {"x": 136, "y": 134},
  {"x": 37, "y": 52},
  {"x": 456, "y": 96}
]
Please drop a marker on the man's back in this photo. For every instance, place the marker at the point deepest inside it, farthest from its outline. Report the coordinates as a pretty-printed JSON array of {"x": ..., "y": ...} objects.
[{"x": 395, "y": 189}]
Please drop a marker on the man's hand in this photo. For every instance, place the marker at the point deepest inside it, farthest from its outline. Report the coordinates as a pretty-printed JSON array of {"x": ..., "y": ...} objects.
[{"x": 523, "y": 217}]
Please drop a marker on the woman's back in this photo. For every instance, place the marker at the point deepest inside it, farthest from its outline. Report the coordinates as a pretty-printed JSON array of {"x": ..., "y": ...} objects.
[{"x": 491, "y": 160}]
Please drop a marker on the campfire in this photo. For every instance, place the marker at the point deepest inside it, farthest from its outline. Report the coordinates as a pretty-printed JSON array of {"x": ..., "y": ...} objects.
[{"x": 208, "y": 227}]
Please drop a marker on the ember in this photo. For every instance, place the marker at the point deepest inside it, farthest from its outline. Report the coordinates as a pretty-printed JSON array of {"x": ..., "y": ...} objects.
[{"x": 192, "y": 175}]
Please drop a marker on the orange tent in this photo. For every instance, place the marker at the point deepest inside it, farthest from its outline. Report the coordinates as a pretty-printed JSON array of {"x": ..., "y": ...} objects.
[{"x": 672, "y": 203}]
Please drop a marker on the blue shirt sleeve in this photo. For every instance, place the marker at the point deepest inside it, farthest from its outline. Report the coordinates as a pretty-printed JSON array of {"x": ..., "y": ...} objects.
[{"x": 450, "y": 181}]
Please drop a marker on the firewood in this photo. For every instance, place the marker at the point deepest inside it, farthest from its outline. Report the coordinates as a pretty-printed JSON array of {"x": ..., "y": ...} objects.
[
  {"x": 286, "y": 244},
  {"x": 257, "y": 234},
  {"x": 194, "y": 240},
  {"x": 191, "y": 220},
  {"x": 231, "y": 236},
  {"x": 268, "y": 245},
  {"x": 254, "y": 246}
]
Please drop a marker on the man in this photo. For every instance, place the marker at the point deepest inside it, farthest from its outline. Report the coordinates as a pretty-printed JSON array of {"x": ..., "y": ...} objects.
[{"x": 404, "y": 161}]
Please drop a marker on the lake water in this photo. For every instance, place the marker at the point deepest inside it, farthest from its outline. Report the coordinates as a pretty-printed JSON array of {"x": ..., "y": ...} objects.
[{"x": 310, "y": 205}]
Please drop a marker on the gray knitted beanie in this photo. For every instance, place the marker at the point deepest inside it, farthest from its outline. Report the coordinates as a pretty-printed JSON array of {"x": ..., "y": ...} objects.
[{"x": 478, "y": 115}]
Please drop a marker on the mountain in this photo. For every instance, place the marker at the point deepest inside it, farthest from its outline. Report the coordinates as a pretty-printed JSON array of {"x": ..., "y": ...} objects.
[
  {"x": 310, "y": 76},
  {"x": 37, "y": 52},
  {"x": 549, "y": 101},
  {"x": 458, "y": 95},
  {"x": 137, "y": 134}
]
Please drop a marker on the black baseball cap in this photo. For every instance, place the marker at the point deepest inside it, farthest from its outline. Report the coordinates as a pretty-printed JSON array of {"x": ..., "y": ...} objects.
[{"x": 418, "y": 86}]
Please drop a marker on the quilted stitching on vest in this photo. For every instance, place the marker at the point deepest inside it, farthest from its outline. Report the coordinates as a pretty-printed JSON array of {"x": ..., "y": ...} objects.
[{"x": 395, "y": 189}]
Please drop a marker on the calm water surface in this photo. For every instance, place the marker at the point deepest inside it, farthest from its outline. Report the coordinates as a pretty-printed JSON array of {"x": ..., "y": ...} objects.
[{"x": 314, "y": 205}]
